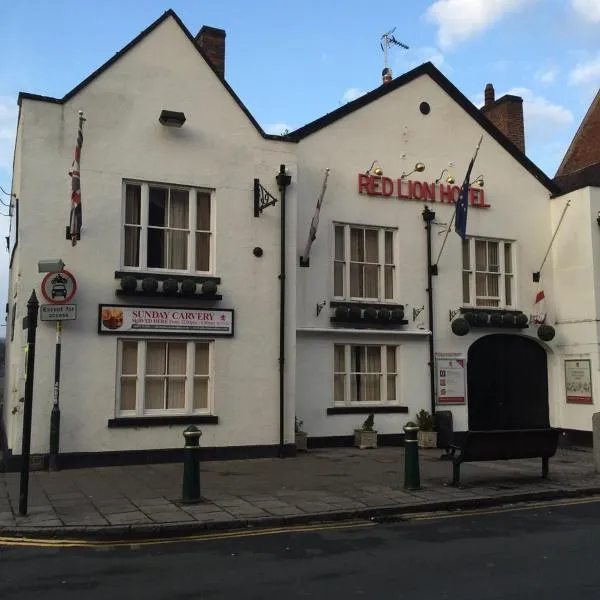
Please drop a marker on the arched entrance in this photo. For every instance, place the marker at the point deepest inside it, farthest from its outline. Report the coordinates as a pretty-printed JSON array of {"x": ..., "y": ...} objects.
[{"x": 507, "y": 382}]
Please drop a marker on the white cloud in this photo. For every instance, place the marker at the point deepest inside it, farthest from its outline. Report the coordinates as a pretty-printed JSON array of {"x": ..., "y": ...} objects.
[
  {"x": 588, "y": 10},
  {"x": 8, "y": 128},
  {"x": 587, "y": 72},
  {"x": 427, "y": 54},
  {"x": 277, "y": 128},
  {"x": 547, "y": 75},
  {"x": 352, "y": 94},
  {"x": 458, "y": 20}
]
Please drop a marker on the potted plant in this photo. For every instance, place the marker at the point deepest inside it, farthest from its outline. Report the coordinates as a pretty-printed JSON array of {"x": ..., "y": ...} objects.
[
  {"x": 301, "y": 444},
  {"x": 366, "y": 436},
  {"x": 426, "y": 436}
]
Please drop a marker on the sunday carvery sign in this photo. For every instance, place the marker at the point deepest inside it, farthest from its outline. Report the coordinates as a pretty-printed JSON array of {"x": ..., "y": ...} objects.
[
  {"x": 121, "y": 319},
  {"x": 406, "y": 189}
]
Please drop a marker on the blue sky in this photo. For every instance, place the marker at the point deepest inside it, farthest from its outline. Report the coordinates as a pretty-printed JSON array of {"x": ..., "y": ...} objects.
[{"x": 291, "y": 63}]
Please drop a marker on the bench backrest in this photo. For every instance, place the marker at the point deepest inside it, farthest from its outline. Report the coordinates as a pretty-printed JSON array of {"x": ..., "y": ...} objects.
[{"x": 509, "y": 444}]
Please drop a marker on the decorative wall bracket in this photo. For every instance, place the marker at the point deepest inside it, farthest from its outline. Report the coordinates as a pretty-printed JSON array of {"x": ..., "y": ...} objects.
[
  {"x": 453, "y": 313},
  {"x": 417, "y": 312},
  {"x": 262, "y": 198},
  {"x": 321, "y": 306}
]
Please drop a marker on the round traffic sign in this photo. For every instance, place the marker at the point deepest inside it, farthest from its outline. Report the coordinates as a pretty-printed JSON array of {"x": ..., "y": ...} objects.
[{"x": 59, "y": 287}]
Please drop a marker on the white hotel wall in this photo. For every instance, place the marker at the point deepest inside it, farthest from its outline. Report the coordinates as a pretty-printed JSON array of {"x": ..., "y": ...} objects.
[
  {"x": 217, "y": 148},
  {"x": 577, "y": 305},
  {"x": 386, "y": 130}
]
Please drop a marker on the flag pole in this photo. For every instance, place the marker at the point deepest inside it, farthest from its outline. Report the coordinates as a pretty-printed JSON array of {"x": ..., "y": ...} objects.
[
  {"x": 536, "y": 275},
  {"x": 312, "y": 234}
]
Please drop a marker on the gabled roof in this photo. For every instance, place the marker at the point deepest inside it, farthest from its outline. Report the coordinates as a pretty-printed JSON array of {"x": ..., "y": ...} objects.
[
  {"x": 168, "y": 14},
  {"x": 576, "y": 180},
  {"x": 582, "y": 138},
  {"x": 429, "y": 69}
]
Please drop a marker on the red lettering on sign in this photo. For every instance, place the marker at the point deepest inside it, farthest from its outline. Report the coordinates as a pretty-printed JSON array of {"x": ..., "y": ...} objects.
[
  {"x": 363, "y": 183},
  {"x": 387, "y": 186}
]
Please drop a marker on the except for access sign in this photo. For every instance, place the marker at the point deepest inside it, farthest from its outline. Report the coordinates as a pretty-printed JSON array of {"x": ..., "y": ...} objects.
[
  {"x": 59, "y": 287},
  {"x": 58, "y": 312}
]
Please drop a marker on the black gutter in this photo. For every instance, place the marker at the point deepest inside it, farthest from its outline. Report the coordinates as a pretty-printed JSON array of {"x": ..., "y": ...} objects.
[
  {"x": 283, "y": 181},
  {"x": 428, "y": 217}
]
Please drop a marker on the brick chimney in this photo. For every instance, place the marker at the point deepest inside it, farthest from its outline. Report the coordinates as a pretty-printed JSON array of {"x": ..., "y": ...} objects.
[
  {"x": 212, "y": 42},
  {"x": 506, "y": 114}
]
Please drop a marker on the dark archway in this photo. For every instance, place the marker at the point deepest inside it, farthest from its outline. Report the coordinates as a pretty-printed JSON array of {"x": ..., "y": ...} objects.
[{"x": 507, "y": 382}]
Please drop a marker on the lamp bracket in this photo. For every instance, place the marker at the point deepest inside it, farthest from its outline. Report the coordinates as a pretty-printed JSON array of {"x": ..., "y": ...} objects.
[{"x": 262, "y": 198}]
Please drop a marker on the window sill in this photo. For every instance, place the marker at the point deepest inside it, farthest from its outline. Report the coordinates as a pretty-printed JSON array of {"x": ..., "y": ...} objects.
[
  {"x": 160, "y": 421},
  {"x": 161, "y": 295},
  {"x": 364, "y": 410}
]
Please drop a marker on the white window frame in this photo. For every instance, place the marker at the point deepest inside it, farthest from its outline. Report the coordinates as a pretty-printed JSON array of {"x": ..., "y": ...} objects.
[
  {"x": 472, "y": 303},
  {"x": 140, "y": 410},
  {"x": 192, "y": 222},
  {"x": 381, "y": 262},
  {"x": 384, "y": 375}
]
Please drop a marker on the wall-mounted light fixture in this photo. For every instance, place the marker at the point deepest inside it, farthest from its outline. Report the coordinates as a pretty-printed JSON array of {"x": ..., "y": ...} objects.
[
  {"x": 376, "y": 168},
  {"x": 419, "y": 168},
  {"x": 449, "y": 179},
  {"x": 598, "y": 219},
  {"x": 171, "y": 118},
  {"x": 50, "y": 265},
  {"x": 478, "y": 181}
]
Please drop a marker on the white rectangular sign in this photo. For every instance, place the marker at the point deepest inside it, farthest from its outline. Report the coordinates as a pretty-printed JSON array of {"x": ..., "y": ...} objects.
[
  {"x": 450, "y": 375},
  {"x": 58, "y": 312},
  {"x": 122, "y": 319}
]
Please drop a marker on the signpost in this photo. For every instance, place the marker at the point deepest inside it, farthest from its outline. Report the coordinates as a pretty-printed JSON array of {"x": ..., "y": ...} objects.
[{"x": 58, "y": 289}]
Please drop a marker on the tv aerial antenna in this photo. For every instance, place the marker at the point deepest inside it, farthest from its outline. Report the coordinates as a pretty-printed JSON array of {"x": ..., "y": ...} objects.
[{"x": 387, "y": 40}]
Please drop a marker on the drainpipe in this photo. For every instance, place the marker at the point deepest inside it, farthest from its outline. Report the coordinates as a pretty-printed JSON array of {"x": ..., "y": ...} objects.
[
  {"x": 428, "y": 217},
  {"x": 283, "y": 180}
]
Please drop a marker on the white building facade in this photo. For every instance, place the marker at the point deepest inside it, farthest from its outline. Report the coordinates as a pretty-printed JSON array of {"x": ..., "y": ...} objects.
[{"x": 171, "y": 234}]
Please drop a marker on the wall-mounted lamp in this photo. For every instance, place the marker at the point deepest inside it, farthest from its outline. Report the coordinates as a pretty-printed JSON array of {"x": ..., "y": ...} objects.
[
  {"x": 478, "y": 181},
  {"x": 50, "y": 265},
  {"x": 171, "y": 118},
  {"x": 378, "y": 171},
  {"x": 419, "y": 168},
  {"x": 449, "y": 179},
  {"x": 598, "y": 219}
]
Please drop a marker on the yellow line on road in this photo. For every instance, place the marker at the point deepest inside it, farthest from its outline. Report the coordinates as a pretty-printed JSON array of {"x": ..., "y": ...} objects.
[
  {"x": 75, "y": 543},
  {"x": 496, "y": 511}
]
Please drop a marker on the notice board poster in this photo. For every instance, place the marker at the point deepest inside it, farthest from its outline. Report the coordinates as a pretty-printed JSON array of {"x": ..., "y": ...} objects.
[
  {"x": 578, "y": 381},
  {"x": 450, "y": 377}
]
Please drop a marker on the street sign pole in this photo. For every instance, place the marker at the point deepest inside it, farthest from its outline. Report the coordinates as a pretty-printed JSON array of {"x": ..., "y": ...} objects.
[
  {"x": 32, "y": 315},
  {"x": 55, "y": 414}
]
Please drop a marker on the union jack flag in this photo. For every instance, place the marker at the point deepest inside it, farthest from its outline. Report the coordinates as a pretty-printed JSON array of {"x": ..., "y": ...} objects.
[{"x": 76, "y": 214}]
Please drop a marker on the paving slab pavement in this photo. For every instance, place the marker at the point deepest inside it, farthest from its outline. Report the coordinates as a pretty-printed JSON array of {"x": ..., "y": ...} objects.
[{"x": 325, "y": 484}]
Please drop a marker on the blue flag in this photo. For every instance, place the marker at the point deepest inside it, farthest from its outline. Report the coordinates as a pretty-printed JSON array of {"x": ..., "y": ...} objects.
[{"x": 463, "y": 199}]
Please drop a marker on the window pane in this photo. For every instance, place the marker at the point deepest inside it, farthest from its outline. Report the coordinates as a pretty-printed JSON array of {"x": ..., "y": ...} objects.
[
  {"x": 391, "y": 359},
  {"x": 156, "y": 248},
  {"x": 388, "y": 292},
  {"x": 200, "y": 393},
  {"x": 128, "y": 391},
  {"x": 179, "y": 209},
  {"x": 389, "y": 247},
  {"x": 157, "y": 209},
  {"x": 373, "y": 359},
  {"x": 372, "y": 388},
  {"x": 338, "y": 279},
  {"x": 339, "y": 242},
  {"x": 466, "y": 277},
  {"x": 154, "y": 394},
  {"x": 371, "y": 245},
  {"x": 129, "y": 358},
  {"x": 201, "y": 361},
  {"x": 356, "y": 281},
  {"x": 508, "y": 289},
  {"x": 202, "y": 251},
  {"x": 155, "y": 358},
  {"x": 357, "y": 356},
  {"x": 507, "y": 258},
  {"x": 371, "y": 286},
  {"x": 493, "y": 286},
  {"x": 176, "y": 358},
  {"x": 493, "y": 257},
  {"x": 480, "y": 284},
  {"x": 133, "y": 201},
  {"x": 178, "y": 247},
  {"x": 357, "y": 244},
  {"x": 176, "y": 393},
  {"x": 480, "y": 255},
  {"x": 203, "y": 211},
  {"x": 391, "y": 388},
  {"x": 466, "y": 255},
  {"x": 131, "y": 256},
  {"x": 339, "y": 362},
  {"x": 339, "y": 388}
]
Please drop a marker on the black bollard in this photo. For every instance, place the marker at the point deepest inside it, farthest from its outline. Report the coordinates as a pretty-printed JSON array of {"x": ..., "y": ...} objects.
[
  {"x": 191, "y": 466},
  {"x": 412, "y": 477}
]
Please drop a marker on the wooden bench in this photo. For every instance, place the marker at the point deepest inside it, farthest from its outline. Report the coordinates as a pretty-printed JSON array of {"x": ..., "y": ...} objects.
[{"x": 505, "y": 445}]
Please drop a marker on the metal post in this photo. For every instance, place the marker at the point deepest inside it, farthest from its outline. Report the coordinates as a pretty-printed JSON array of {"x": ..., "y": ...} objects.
[
  {"x": 428, "y": 217},
  {"x": 32, "y": 316},
  {"x": 412, "y": 478},
  {"x": 190, "y": 493},
  {"x": 55, "y": 414}
]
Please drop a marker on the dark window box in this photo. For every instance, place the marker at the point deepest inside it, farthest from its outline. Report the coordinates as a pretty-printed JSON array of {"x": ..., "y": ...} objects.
[
  {"x": 362, "y": 324},
  {"x": 365, "y": 304},
  {"x": 162, "y": 421},
  {"x": 365, "y": 410},
  {"x": 162, "y": 276}
]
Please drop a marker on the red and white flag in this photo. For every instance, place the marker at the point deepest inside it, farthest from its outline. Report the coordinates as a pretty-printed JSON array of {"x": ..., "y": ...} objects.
[
  {"x": 539, "y": 308},
  {"x": 76, "y": 219},
  {"x": 314, "y": 224}
]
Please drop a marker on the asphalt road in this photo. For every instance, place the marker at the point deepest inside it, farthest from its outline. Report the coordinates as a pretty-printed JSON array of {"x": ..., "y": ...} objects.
[{"x": 550, "y": 552}]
